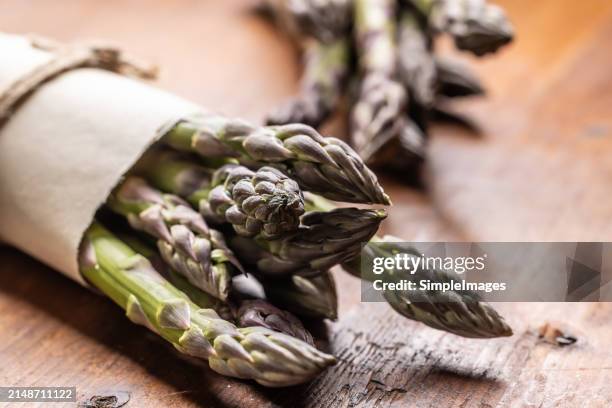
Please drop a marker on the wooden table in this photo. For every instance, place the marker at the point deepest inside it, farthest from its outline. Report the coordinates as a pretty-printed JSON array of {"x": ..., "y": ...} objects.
[{"x": 540, "y": 168}]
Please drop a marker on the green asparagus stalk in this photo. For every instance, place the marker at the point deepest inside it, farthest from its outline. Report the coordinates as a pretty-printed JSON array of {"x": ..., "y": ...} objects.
[
  {"x": 381, "y": 99},
  {"x": 376, "y": 116},
  {"x": 416, "y": 64},
  {"x": 325, "y": 20},
  {"x": 389, "y": 138},
  {"x": 326, "y": 166},
  {"x": 461, "y": 313},
  {"x": 270, "y": 358},
  {"x": 475, "y": 25},
  {"x": 458, "y": 312},
  {"x": 308, "y": 296},
  {"x": 184, "y": 240},
  {"x": 323, "y": 240},
  {"x": 243, "y": 311},
  {"x": 326, "y": 69},
  {"x": 195, "y": 294},
  {"x": 241, "y": 308},
  {"x": 381, "y": 131},
  {"x": 263, "y": 202},
  {"x": 374, "y": 32}
]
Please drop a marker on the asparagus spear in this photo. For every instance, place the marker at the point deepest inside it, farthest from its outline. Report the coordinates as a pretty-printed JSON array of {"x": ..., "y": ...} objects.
[
  {"x": 270, "y": 358},
  {"x": 326, "y": 69},
  {"x": 381, "y": 98},
  {"x": 308, "y": 296},
  {"x": 461, "y": 313},
  {"x": 184, "y": 240},
  {"x": 195, "y": 294},
  {"x": 325, "y": 20},
  {"x": 326, "y": 59},
  {"x": 416, "y": 64},
  {"x": 458, "y": 312},
  {"x": 243, "y": 311},
  {"x": 323, "y": 240},
  {"x": 475, "y": 25},
  {"x": 263, "y": 202},
  {"x": 324, "y": 165},
  {"x": 243, "y": 307},
  {"x": 379, "y": 127}
]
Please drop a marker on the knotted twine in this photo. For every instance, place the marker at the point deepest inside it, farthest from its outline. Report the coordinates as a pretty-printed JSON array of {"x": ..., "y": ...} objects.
[{"x": 67, "y": 58}]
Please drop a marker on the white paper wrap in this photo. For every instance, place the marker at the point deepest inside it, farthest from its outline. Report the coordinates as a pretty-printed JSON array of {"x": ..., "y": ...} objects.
[{"x": 66, "y": 147}]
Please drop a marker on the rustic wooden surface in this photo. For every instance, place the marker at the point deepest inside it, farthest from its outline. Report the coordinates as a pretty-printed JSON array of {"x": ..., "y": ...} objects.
[{"x": 539, "y": 169}]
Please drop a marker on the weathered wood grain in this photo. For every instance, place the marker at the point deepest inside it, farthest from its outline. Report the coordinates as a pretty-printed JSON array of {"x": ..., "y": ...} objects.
[
  {"x": 539, "y": 169},
  {"x": 415, "y": 366}
]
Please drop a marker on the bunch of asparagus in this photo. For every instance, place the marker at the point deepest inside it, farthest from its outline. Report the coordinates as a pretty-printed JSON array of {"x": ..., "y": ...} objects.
[
  {"x": 222, "y": 237},
  {"x": 381, "y": 54},
  {"x": 152, "y": 251}
]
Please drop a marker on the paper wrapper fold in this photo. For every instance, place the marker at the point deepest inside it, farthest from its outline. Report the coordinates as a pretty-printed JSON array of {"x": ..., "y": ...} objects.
[{"x": 66, "y": 147}]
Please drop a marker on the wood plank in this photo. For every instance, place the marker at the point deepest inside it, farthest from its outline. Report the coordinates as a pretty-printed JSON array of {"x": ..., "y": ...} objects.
[{"x": 392, "y": 362}]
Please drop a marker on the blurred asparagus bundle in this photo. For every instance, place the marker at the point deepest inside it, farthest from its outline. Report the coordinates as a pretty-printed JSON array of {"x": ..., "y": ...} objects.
[{"x": 381, "y": 54}]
